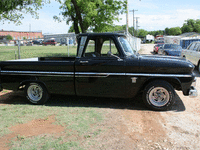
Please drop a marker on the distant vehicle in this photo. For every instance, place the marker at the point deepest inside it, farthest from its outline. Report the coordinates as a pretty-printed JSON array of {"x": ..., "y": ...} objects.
[
  {"x": 149, "y": 38},
  {"x": 170, "y": 49},
  {"x": 156, "y": 47},
  {"x": 159, "y": 42},
  {"x": 36, "y": 42},
  {"x": 20, "y": 42},
  {"x": 50, "y": 42},
  {"x": 159, "y": 37},
  {"x": 29, "y": 43},
  {"x": 192, "y": 53}
]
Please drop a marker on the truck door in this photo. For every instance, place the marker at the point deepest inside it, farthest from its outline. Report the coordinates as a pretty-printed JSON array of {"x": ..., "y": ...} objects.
[{"x": 100, "y": 71}]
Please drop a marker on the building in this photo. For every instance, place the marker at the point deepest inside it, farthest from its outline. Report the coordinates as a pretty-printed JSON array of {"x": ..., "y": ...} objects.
[
  {"x": 62, "y": 38},
  {"x": 21, "y": 35}
]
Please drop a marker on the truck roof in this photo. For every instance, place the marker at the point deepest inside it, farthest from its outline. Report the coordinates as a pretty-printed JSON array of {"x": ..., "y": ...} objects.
[{"x": 101, "y": 34}]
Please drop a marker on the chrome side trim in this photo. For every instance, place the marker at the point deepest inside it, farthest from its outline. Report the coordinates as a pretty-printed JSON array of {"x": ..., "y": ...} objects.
[
  {"x": 38, "y": 73},
  {"x": 158, "y": 75},
  {"x": 91, "y": 74},
  {"x": 88, "y": 74}
]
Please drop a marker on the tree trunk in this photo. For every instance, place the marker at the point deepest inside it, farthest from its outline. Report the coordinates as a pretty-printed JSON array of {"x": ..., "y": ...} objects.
[
  {"x": 78, "y": 14},
  {"x": 75, "y": 20}
]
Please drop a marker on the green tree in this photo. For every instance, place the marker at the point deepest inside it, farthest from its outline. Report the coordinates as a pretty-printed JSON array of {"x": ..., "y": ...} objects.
[
  {"x": 175, "y": 31},
  {"x": 191, "y": 25},
  {"x": 97, "y": 15},
  {"x": 9, "y": 37},
  {"x": 186, "y": 28},
  {"x": 197, "y": 26},
  {"x": 13, "y": 10},
  {"x": 142, "y": 33},
  {"x": 167, "y": 31},
  {"x": 154, "y": 33}
]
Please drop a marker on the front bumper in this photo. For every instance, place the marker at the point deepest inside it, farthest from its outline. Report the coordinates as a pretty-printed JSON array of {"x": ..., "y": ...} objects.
[{"x": 193, "y": 92}]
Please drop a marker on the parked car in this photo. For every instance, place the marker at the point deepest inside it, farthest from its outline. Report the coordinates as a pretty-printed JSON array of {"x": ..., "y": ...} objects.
[
  {"x": 36, "y": 42},
  {"x": 29, "y": 43},
  {"x": 159, "y": 41},
  {"x": 50, "y": 42},
  {"x": 156, "y": 47},
  {"x": 170, "y": 49},
  {"x": 192, "y": 53}
]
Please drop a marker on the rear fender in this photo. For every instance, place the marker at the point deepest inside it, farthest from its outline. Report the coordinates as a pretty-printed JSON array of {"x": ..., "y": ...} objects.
[{"x": 25, "y": 82}]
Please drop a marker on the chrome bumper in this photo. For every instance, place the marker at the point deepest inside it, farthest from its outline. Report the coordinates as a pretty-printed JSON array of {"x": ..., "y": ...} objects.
[{"x": 193, "y": 92}]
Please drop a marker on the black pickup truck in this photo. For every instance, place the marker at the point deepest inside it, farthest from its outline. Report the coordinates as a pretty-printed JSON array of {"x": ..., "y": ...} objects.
[{"x": 105, "y": 66}]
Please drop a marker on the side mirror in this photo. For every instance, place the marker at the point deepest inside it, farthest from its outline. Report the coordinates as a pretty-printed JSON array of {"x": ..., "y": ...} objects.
[{"x": 109, "y": 54}]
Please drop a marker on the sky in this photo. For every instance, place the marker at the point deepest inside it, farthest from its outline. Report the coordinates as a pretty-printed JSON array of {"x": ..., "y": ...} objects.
[{"x": 153, "y": 15}]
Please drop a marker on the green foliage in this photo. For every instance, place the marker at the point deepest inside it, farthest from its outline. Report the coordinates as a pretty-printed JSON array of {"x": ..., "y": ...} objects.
[
  {"x": 98, "y": 15},
  {"x": 142, "y": 33},
  {"x": 191, "y": 25},
  {"x": 158, "y": 32},
  {"x": 9, "y": 37},
  {"x": 13, "y": 10},
  {"x": 174, "y": 31}
]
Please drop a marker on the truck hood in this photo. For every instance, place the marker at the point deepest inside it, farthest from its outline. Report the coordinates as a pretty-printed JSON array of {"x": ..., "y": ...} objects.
[{"x": 165, "y": 64}]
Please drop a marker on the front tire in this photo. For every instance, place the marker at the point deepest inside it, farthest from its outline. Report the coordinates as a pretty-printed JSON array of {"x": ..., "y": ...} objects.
[
  {"x": 159, "y": 95},
  {"x": 36, "y": 93}
]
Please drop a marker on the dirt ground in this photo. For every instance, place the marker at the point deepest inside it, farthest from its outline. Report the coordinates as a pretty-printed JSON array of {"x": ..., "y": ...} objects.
[{"x": 136, "y": 128}]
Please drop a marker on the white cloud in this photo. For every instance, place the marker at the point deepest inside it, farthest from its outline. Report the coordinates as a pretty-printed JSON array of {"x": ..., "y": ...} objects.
[
  {"x": 160, "y": 22},
  {"x": 45, "y": 23}
]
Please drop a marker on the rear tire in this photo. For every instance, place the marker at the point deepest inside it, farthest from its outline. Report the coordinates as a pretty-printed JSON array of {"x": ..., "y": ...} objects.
[
  {"x": 159, "y": 95},
  {"x": 36, "y": 93}
]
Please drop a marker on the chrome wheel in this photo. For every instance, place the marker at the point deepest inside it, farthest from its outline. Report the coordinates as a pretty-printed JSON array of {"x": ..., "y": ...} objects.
[
  {"x": 159, "y": 96},
  {"x": 35, "y": 92}
]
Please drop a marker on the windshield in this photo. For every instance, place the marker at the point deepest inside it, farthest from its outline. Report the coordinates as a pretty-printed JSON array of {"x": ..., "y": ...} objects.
[{"x": 126, "y": 46}]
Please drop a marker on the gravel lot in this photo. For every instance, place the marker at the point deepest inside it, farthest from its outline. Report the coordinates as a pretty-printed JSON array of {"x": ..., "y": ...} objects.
[{"x": 181, "y": 126}]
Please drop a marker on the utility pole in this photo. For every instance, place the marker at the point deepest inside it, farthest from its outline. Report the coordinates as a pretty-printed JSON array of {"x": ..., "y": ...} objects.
[
  {"x": 133, "y": 20},
  {"x": 127, "y": 18},
  {"x": 137, "y": 24}
]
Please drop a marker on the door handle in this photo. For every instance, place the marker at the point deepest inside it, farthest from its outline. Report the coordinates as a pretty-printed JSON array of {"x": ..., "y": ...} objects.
[{"x": 83, "y": 62}]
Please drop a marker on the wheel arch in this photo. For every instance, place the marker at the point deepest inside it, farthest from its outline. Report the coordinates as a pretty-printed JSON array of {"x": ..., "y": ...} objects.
[
  {"x": 175, "y": 82},
  {"x": 25, "y": 82}
]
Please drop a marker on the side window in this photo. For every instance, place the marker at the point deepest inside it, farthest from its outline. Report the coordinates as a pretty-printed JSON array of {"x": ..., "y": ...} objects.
[
  {"x": 109, "y": 45},
  {"x": 195, "y": 47},
  {"x": 90, "y": 49},
  {"x": 191, "y": 47},
  {"x": 198, "y": 49},
  {"x": 99, "y": 47}
]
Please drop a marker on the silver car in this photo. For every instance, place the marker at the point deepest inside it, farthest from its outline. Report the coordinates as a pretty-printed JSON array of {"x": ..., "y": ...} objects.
[{"x": 192, "y": 53}]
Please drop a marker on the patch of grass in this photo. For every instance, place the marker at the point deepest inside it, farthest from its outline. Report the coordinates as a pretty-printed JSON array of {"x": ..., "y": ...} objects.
[
  {"x": 79, "y": 119},
  {"x": 18, "y": 114},
  {"x": 44, "y": 143},
  {"x": 80, "y": 123},
  {"x": 8, "y": 52}
]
